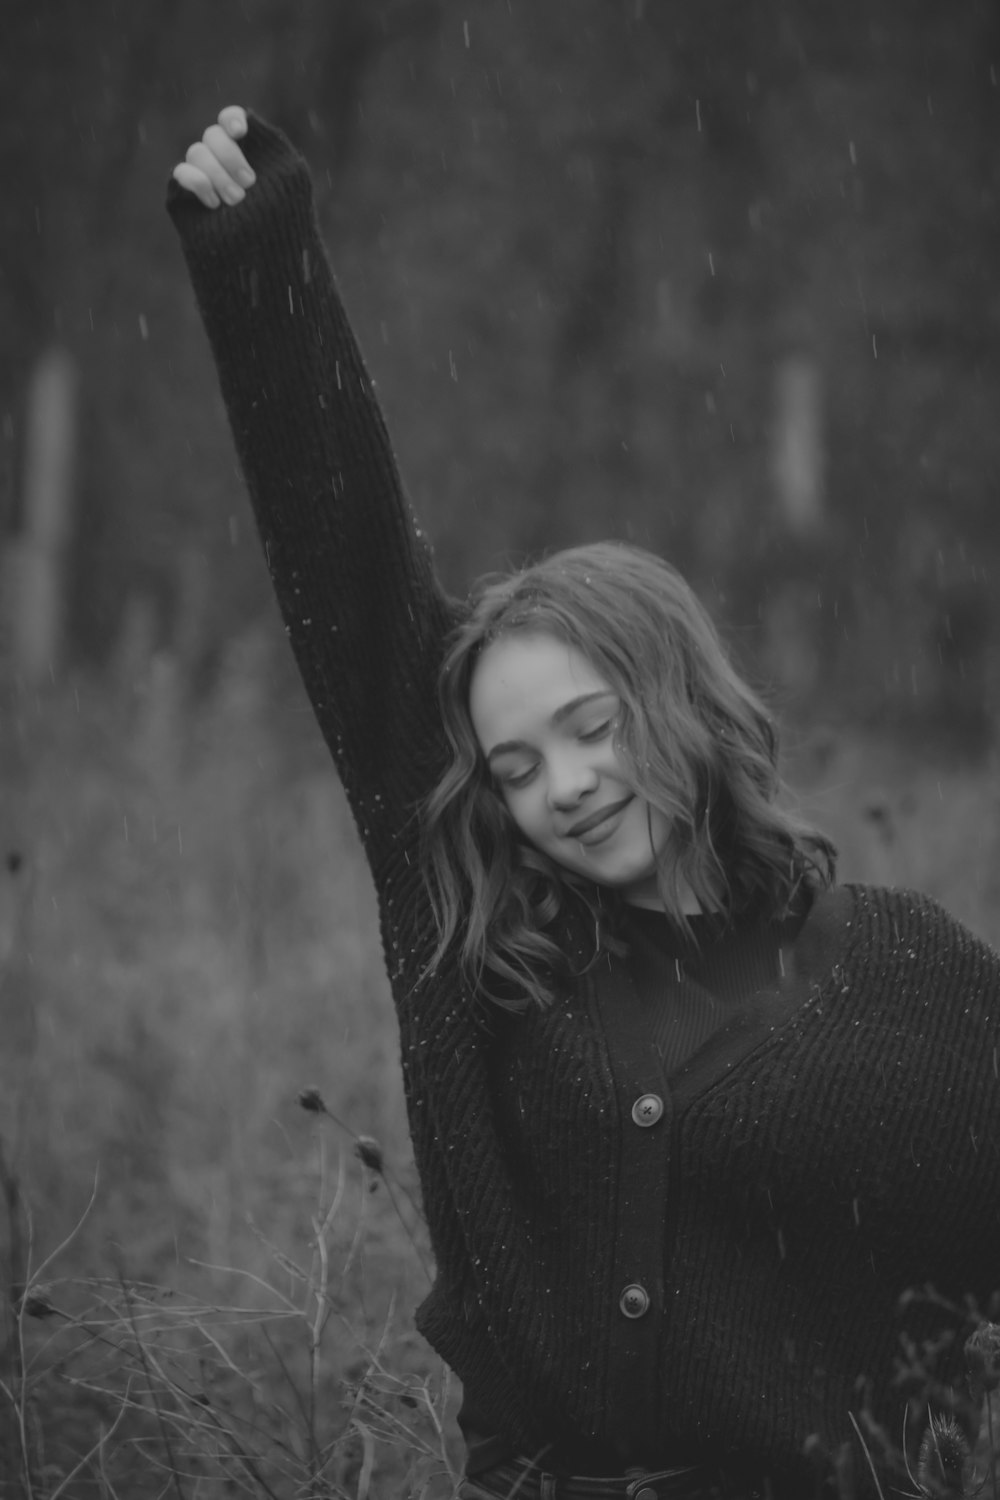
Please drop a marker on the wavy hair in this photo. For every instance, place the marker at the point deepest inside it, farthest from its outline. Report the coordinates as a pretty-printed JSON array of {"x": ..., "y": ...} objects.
[{"x": 693, "y": 738}]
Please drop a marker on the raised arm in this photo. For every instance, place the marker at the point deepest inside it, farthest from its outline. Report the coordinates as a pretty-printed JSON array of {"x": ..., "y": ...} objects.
[{"x": 354, "y": 579}]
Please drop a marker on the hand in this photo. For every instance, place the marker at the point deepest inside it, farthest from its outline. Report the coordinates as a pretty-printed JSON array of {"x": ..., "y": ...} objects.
[{"x": 214, "y": 168}]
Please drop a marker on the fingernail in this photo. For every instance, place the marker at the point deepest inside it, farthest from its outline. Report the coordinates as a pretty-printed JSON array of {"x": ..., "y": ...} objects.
[
  {"x": 233, "y": 193},
  {"x": 247, "y": 176}
]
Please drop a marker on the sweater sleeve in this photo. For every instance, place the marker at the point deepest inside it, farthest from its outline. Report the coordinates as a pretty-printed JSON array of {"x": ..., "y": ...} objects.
[{"x": 353, "y": 576}]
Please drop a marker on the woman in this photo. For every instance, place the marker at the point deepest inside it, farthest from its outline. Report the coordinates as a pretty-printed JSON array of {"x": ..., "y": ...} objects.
[{"x": 689, "y": 1118}]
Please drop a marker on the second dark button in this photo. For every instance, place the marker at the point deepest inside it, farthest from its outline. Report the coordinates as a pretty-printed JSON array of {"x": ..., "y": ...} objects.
[{"x": 634, "y": 1300}]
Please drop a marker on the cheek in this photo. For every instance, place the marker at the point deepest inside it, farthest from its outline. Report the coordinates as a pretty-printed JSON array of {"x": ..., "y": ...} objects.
[
  {"x": 652, "y": 825},
  {"x": 529, "y": 812},
  {"x": 526, "y": 812},
  {"x": 660, "y": 829},
  {"x": 617, "y": 765}
]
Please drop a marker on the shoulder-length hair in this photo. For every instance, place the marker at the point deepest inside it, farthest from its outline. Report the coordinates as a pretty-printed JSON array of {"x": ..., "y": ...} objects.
[{"x": 695, "y": 742}]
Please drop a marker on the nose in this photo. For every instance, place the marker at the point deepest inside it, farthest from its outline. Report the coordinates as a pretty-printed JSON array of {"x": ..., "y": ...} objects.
[{"x": 570, "y": 780}]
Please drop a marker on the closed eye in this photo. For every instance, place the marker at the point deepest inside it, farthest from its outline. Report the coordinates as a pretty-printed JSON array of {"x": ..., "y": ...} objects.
[
  {"x": 599, "y": 732},
  {"x": 517, "y": 779}
]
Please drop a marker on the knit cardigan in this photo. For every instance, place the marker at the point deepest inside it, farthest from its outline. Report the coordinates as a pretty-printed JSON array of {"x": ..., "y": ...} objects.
[{"x": 834, "y": 1145}]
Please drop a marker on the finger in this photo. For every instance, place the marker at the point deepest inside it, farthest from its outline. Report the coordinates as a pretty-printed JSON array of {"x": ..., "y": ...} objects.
[
  {"x": 204, "y": 160},
  {"x": 233, "y": 120},
  {"x": 195, "y": 181},
  {"x": 228, "y": 153}
]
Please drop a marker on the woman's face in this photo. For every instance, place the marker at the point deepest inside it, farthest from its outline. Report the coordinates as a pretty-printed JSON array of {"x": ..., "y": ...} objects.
[{"x": 545, "y": 719}]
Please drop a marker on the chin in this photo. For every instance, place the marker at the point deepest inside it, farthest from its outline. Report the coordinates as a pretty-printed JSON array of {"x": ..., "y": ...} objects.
[
  {"x": 633, "y": 882},
  {"x": 624, "y": 875}
]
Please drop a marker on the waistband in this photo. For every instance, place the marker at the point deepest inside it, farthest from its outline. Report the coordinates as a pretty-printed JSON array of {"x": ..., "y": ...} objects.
[{"x": 522, "y": 1480}]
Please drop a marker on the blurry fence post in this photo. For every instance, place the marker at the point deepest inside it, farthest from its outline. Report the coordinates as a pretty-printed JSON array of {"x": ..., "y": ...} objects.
[
  {"x": 797, "y": 443},
  {"x": 36, "y": 556},
  {"x": 792, "y": 632}
]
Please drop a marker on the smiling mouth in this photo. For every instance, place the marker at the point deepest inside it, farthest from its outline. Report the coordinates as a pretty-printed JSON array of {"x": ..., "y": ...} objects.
[{"x": 597, "y": 819}]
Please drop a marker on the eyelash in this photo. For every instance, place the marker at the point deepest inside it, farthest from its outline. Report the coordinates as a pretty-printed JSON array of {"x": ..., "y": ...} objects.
[
  {"x": 598, "y": 733},
  {"x": 521, "y": 778}
]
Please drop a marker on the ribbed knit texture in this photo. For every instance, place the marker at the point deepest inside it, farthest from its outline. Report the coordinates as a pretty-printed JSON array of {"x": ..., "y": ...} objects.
[
  {"x": 837, "y": 1144},
  {"x": 687, "y": 986}
]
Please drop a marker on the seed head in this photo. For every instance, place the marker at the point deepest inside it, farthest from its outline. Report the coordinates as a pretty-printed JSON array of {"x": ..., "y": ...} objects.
[
  {"x": 982, "y": 1358},
  {"x": 370, "y": 1152},
  {"x": 312, "y": 1100},
  {"x": 38, "y": 1306},
  {"x": 942, "y": 1458}
]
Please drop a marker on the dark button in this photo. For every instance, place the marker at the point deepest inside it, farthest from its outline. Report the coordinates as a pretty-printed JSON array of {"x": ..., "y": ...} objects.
[
  {"x": 645, "y": 1493},
  {"x": 634, "y": 1300},
  {"x": 647, "y": 1109}
]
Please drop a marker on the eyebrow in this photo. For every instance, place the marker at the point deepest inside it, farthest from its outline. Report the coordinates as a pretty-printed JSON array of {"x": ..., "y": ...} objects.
[{"x": 562, "y": 712}]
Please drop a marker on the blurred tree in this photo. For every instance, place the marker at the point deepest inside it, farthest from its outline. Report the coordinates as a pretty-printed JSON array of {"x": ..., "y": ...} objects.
[{"x": 581, "y": 243}]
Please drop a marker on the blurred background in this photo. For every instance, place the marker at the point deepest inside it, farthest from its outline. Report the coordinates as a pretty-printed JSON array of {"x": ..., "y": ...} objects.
[{"x": 718, "y": 276}]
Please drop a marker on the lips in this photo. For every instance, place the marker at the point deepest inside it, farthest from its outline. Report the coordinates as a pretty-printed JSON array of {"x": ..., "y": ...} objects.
[{"x": 587, "y": 825}]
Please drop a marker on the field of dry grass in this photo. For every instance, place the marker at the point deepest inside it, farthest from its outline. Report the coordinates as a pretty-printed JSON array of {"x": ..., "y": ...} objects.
[{"x": 187, "y": 943}]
